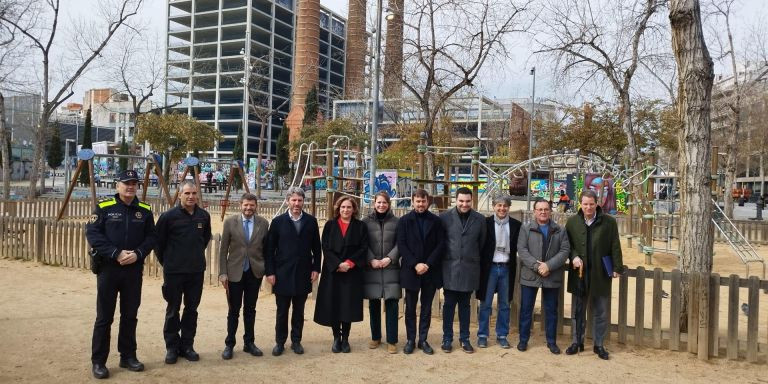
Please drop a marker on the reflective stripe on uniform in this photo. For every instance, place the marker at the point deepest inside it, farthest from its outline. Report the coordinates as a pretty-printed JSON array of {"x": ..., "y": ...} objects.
[
  {"x": 145, "y": 206},
  {"x": 107, "y": 203}
]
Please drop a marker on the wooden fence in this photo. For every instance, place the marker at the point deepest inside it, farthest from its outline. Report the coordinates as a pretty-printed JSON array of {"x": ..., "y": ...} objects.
[{"x": 641, "y": 313}]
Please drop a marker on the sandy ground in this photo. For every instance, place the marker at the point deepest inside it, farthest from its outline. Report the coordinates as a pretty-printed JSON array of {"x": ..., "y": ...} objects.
[{"x": 46, "y": 315}]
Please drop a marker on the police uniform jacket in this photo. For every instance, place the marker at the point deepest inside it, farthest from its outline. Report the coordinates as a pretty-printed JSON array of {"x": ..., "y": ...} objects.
[
  {"x": 116, "y": 226},
  {"x": 182, "y": 238}
]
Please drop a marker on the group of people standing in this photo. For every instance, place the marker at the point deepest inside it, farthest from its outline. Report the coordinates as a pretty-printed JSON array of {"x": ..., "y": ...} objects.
[{"x": 376, "y": 258}]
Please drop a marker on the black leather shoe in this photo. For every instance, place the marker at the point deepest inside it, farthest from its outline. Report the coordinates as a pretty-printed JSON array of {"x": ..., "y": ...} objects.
[
  {"x": 426, "y": 348},
  {"x": 409, "y": 346},
  {"x": 297, "y": 348},
  {"x": 601, "y": 352},
  {"x": 554, "y": 348},
  {"x": 467, "y": 347},
  {"x": 345, "y": 347},
  {"x": 252, "y": 349},
  {"x": 100, "y": 371},
  {"x": 574, "y": 349},
  {"x": 171, "y": 356},
  {"x": 132, "y": 364},
  {"x": 227, "y": 353},
  {"x": 336, "y": 346},
  {"x": 446, "y": 347},
  {"x": 522, "y": 346},
  {"x": 189, "y": 354},
  {"x": 278, "y": 350}
]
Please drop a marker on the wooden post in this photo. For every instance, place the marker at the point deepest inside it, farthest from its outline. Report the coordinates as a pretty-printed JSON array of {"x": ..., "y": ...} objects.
[
  {"x": 639, "y": 306},
  {"x": 623, "y": 293},
  {"x": 72, "y": 183},
  {"x": 674, "y": 310},
  {"x": 703, "y": 324},
  {"x": 39, "y": 240},
  {"x": 91, "y": 184},
  {"x": 714, "y": 315},
  {"x": 656, "y": 314},
  {"x": 693, "y": 312},
  {"x": 732, "y": 351},
  {"x": 753, "y": 301}
]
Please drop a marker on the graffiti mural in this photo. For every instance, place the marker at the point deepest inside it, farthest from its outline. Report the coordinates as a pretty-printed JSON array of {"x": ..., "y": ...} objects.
[{"x": 386, "y": 180}]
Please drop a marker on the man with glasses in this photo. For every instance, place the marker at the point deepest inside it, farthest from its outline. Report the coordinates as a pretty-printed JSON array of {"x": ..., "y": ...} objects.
[{"x": 543, "y": 249}]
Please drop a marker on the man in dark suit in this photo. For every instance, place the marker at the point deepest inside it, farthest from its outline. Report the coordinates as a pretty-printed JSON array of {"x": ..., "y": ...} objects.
[
  {"x": 421, "y": 243},
  {"x": 292, "y": 260},
  {"x": 465, "y": 232},
  {"x": 497, "y": 271},
  {"x": 241, "y": 268}
]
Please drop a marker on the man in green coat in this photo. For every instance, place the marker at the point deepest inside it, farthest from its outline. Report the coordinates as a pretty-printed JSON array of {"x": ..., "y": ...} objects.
[{"x": 596, "y": 250}]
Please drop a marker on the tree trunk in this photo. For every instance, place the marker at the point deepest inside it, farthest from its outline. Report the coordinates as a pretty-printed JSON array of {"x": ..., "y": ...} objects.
[
  {"x": 6, "y": 157},
  {"x": 695, "y": 74},
  {"x": 356, "y": 48},
  {"x": 264, "y": 127}
]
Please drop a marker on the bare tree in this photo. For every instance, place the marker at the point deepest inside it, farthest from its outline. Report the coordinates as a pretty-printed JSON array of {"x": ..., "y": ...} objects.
[
  {"x": 731, "y": 94},
  {"x": 9, "y": 62},
  {"x": 695, "y": 74},
  {"x": 89, "y": 41},
  {"x": 729, "y": 99},
  {"x": 451, "y": 42},
  {"x": 601, "y": 40},
  {"x": 135, "y": 68}
]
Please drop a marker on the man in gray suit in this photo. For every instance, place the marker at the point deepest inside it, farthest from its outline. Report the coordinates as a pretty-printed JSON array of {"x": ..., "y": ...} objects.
[
  {"x": 465, "y": 230},
  {"x": 241, "y": 269}
]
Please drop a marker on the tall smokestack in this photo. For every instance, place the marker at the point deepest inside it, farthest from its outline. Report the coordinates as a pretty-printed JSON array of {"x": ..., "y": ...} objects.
[
  {"x": 354, "y": 73},
  {"x": 305, "y": 65},
  {"x": 393, "y": 51}
]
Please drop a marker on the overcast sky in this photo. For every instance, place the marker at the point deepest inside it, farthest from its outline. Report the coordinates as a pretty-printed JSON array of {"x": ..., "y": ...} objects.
[{"x": 511, "y": 81}]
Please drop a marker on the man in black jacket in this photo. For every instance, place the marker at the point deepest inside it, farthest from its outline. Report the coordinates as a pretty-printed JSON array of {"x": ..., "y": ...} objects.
[
  {"x": 292, "y": 261},
  {"x": 421, "y": 243},
  {"x": 183, "y": 234},
  {"x": 121, "y": 232}
]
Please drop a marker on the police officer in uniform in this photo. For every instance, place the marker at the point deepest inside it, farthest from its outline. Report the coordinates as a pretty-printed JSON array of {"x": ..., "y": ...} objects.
[
  {"x": 183, "y": 233},
  {"x": 121, "y": 233}
]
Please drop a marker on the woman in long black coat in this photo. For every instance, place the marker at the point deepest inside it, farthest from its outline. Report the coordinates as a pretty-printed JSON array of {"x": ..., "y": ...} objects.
[{"x": 340, "y": 292}]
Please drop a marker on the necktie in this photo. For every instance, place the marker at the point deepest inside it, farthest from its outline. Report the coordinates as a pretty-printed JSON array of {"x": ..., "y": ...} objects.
[{"x": 246, "y": 228}]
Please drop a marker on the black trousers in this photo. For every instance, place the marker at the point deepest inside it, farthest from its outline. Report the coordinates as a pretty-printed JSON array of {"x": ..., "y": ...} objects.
[
  {"x": 112, "y": 280},
  {"x": 425, "y": 315},
  {"x": 297, "y": 317},
  {"x": 179, "y": 332},
  {"x": 243, "y": 293},
  {"x": 341, "y": 329}
]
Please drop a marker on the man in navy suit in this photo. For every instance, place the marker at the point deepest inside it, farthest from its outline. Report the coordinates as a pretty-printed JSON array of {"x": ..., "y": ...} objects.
[
  {"x": 421, "y": 243},
  {"x": 292, "y": 259}
]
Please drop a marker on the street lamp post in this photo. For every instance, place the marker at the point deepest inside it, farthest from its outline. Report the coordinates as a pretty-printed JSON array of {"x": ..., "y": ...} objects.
[
  {"x": 375, "y": 120},
  {"x": 246, "y": 101},
  {"x": 530, "y": 139}
]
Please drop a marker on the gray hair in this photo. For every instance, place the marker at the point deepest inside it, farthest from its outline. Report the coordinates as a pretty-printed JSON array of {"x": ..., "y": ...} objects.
[
  {"x": 187, "y": 183},
  {"x": 294, "y": 191},
  {"x": 502, "y": 199}
]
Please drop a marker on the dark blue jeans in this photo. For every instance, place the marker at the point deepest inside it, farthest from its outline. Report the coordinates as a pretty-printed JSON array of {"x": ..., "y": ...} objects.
[
  {"x": 390, "y": 307},
  {"x": 452, "y": 298},
  {"x": 527, "y": 300},
  {"x": 498, "y": 282}
]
